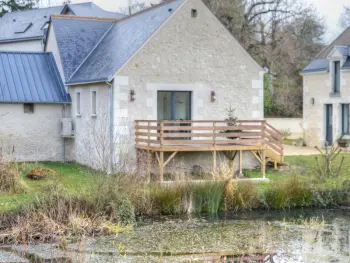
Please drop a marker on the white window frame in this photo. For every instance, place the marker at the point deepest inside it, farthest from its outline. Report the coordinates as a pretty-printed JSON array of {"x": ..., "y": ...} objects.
[{"x": 92, "y": 102}]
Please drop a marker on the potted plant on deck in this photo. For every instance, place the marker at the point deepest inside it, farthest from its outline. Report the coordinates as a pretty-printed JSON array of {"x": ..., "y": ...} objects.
[{"x": 344, "y": 141}]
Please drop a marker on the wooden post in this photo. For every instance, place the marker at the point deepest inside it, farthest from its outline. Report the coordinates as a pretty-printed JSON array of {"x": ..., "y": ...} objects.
[
  {"x": 263, "y": 164},
  {"x": 214, "y": 163},
  {"x": 240, "y": 162},
  {"x": 148, "y": 136},
  {"x": 214, "y": 138},
  {"x": 148, "y": 166},
  {"x": 275, "y": 165},
  {"x": 161, "y": 166},
  {"x": 233, "y": 162},
  {"x": 161, "y": 133}
]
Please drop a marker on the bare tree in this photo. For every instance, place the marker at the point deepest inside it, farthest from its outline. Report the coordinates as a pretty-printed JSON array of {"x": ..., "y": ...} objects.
[{"x": 345, "y": 17}]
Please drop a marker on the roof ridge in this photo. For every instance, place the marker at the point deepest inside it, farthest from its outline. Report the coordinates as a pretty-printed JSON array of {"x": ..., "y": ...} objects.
[
  {"x": 332, "y": 43},
  {"x": 88, "y": 55},
  {"x": 85, "y": 18},
  {"x": 146, "y": 9},
  {"x": 49, "y": 7}
]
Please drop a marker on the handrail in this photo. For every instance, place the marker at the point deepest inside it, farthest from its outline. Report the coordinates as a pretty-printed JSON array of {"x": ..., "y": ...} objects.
[{"x": 163, "y": 133}]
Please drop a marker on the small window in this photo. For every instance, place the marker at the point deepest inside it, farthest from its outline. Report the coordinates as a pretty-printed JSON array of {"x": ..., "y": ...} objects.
[
  {"x": 336, "y": 77},
  {"x": 194, "y": 12},
  {"x": 93, "y": 103},
  {"x": 78, "y": 104},
  {"x": 28, "y": 108},
  {"x": 346, "y": 119}
]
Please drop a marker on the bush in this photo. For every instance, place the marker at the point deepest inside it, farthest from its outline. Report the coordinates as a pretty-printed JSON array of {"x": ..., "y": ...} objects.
[
  {"x": 287, "y": 193},
  {"x": 125, "y": 212},
  {"x": 41, "y": 173},
  {"x": 10, "y": 178}
]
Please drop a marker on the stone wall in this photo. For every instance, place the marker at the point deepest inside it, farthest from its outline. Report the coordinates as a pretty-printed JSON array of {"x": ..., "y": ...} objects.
[
  {"x": 32, "y": 45},
  {"x": 317, "y": 87},
  {"x": 31, "y": 137}
]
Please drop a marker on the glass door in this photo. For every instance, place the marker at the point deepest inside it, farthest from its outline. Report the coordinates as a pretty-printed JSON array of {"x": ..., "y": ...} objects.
[
  {"x": 329, "y": 124},
  {"x": 174, "y": 105}
]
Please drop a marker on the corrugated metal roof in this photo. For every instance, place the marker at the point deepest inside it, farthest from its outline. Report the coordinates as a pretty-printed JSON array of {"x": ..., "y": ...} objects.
[
  {"x": 38, "y": 17},
  {"x": 30, "y": 77},
  {"x": 76, "y": 39},
  {"x": 121, "y": 42}
]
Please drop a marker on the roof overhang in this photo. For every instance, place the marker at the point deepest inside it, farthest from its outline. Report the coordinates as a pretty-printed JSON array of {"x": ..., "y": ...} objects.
[{"x": 21, "y": 39}]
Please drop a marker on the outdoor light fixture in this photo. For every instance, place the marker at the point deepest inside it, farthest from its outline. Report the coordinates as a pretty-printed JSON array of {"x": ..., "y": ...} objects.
[
  {"x": 132, "y": 95},
  {"x": 213, "y": 96},
  {"x": 312, "y": 101}
]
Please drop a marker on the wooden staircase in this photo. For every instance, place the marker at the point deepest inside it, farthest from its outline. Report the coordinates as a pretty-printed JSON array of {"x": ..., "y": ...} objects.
[{"x": 274, "y": 145}]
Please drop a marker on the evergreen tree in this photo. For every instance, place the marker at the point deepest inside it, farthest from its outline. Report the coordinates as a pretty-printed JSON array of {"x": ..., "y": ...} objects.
[{"x": 16, "y": 5}]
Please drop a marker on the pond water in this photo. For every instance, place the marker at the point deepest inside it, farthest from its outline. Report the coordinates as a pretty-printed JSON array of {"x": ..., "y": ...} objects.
[
  {"x": 262, "y": 236},
  {"x": 297, "y": 236}
]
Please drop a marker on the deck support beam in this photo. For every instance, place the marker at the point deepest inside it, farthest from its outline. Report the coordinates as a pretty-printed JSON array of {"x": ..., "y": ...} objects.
[
  {"x": 240, "y": 163},
  {"x": 214, "y": 164},
  {"x": 149, "y": 156},
  {"x": 161, "y": 167}
]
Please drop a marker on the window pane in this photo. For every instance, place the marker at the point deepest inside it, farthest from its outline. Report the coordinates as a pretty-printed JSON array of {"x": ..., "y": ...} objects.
[
  {"x": 182, "y": 109},
  {"x": 164, "y": 105},
  {"x": 78, "y": 103},
  {"x": 345, "y": 118},
  {"x": 93, "y": 102},
  {"x": 336, "y": 83}
]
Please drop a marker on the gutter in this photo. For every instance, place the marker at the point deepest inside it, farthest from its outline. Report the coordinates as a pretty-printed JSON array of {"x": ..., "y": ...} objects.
[{"x": 111, "y": 127}]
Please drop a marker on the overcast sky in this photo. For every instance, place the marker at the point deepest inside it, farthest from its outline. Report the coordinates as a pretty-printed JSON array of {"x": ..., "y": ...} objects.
[{"x": 330, "y": 10}]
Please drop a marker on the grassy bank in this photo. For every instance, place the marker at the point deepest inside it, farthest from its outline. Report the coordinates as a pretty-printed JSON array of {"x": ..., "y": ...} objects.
[{"x": 77, "y": 201}]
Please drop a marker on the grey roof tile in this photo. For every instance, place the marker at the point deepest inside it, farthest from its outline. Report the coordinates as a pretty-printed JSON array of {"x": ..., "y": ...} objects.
[
  {"x": 76, "y": 39},
  {"x": 40, "y": 16},
  {"x": 317, "y": 65},
  {"x": 121, "y": 42},
  {"x": 31, "y": 77}
]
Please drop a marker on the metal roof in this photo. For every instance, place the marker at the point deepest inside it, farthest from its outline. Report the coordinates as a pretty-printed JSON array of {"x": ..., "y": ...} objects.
[
  {"x": 76, "y": 39},
  {"x": 30, "y": 77},
  {"x": 121, "y": 42},
  {"x": 12, "y": 21}
]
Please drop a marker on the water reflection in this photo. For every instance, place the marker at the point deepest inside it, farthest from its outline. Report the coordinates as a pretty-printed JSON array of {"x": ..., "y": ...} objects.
[{"x": 303, "y": 236}]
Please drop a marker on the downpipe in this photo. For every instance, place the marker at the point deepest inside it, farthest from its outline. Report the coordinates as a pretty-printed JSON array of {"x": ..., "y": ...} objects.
[{"x": 111, "y": 127}]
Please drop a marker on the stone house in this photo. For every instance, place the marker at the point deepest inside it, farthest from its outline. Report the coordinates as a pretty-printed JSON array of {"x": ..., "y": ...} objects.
[
  {"x": 174, "y": 62},
  {"x": 326, "y": 93}
]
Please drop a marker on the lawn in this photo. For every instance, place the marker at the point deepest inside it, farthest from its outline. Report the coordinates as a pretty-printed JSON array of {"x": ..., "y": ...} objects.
[
  {"x": 77, "y": 179},
  {"x": 306, "y": 167},
  {"x": 74, "y": 177}
]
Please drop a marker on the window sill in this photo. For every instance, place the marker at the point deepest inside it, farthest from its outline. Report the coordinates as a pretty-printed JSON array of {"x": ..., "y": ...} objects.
[
  {"x": 93, "y": 115},
  {"x": 78, "y": 115},
  {"x": 335, "y": 94}
]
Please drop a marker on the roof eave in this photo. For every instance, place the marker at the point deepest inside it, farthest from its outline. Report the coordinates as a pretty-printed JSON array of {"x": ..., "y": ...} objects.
[
  {"x": 307, "y": 72},
  {"x": 20, "y": 39},
  {"x": 76, "y": 83}
]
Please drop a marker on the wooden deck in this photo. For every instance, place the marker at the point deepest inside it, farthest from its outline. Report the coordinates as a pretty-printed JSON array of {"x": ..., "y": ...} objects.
[{"x": 255, "y": 136}]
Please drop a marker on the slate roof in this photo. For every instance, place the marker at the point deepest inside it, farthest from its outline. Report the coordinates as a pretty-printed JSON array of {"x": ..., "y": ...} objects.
[
  {"x": 117, "y": 45},
  {"x": 76, "y": 39},
  {"x": 36, "y": 19},
  {"x": 30, "y": 77},
  {"x": 341, "y": 43}
]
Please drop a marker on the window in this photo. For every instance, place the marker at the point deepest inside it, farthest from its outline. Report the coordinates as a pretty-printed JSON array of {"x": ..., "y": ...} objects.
[
  {"x": 28, "y": 108},
  {"x": 336, "y": 77},
  {"x": 93, "y": 103},
  {"x": 78, "y": 104},
  {"x": 345, "y": 118}
]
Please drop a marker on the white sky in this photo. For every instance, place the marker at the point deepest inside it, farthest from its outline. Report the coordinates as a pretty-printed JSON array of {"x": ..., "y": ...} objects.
[{"x": 330, "y": 10}]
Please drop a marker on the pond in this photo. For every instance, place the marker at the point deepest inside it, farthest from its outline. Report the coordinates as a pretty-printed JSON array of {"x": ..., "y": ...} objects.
[{"x": 295, "y": 236}]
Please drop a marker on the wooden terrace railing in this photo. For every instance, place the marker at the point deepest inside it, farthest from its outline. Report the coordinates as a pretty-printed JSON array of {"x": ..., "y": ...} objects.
[{"x": 207, "y": 135}]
